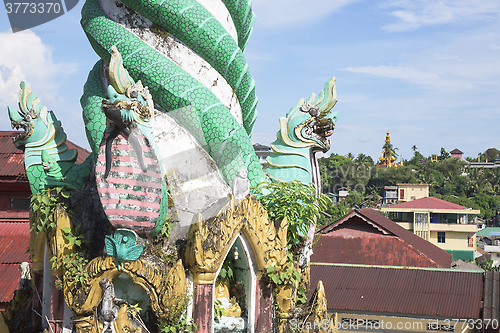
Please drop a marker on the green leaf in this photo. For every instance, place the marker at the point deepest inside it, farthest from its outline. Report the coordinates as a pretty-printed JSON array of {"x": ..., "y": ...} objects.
[{"x": 276, "y": 279}]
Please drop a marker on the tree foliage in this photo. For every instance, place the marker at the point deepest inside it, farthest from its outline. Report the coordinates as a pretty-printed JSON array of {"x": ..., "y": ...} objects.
[{"x": 450, "y": 179}]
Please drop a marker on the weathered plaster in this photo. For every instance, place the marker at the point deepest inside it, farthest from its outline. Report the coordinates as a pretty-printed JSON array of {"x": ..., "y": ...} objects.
[
  {"x": 190, "y": 172},
  {"x": 176, "y": 51}
]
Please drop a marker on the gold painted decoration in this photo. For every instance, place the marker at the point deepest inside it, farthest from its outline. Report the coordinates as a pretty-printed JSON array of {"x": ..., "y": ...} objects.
[
  {"x": 210, "y": 240},
  {"x": 161, "y": 286}
]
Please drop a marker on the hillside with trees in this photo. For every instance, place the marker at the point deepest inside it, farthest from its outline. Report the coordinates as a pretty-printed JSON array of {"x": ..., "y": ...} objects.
[{"x": 449, "y": 179}]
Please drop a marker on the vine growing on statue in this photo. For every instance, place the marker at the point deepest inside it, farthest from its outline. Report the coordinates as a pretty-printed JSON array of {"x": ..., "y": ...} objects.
[
  {"x": 73, "y": 264},
  {"x": 296, "y": 201},
  {"x": 44, "y": 204},
  {"x": 288, "y": 274}
]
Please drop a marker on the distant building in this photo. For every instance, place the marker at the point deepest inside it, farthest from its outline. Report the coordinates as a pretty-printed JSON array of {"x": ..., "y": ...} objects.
[
  {"x": 262, "y": 152},
  {"x": 457, "y": 153},
  {"x": 488, "y": 239},
  {"x": 377, "y": 275},
  {"x": 449, "y": 226},
  {"x": 486, "y": 165},
  {"x": 404, "y": 193},
  {"x": 367, "y": 237},
  {"x": 388, "y": 158},
  {"x": 390, "y": 195},
  {"x": 408, "y": 192}
]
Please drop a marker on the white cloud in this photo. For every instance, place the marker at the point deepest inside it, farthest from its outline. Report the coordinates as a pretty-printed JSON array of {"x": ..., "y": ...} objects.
[
  {"x": 281, "y": 13},
  {"x": 414, "y": 14},
  {"x": 409, "y": 74},
  {"x": 23, "y": 57}
]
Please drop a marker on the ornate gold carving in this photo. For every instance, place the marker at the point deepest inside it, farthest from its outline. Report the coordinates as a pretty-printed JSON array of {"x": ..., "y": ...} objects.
[
  {"x": 210, "y": 240},
  {"x": 160, "y": 286}
]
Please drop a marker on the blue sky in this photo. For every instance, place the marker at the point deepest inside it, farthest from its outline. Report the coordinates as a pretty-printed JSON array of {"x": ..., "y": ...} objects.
[{"x": 426, "y": 71}]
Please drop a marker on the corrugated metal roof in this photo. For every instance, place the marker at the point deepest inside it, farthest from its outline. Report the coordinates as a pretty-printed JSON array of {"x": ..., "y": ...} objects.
[
  {"x": 368, "y": 249},
  {"x": 431, "y": 292},
  {"x": 486, "y": 231},
  {"x": 428, "y": 203},
  {"x": 12, "y": 159},
  {"x": 14, "y": 241},
  {"x": 9, "y": 282},
  {"x": 380, "y": 222}
]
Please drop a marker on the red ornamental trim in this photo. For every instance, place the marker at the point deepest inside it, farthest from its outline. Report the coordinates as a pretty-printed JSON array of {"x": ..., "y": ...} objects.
[
  {"x": 128, "y": 169},
  {"x": 127, "y": 158},
  {"x": 133, "y": 203},
  {"x": 118, "y": 220},
  {"x": 131, "y": 182},
  {"x": 129, "y": 212}
]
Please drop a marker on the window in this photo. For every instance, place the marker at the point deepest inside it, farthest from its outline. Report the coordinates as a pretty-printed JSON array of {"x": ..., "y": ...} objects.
[
  {"x": 20, "y": 203},
  {"x": 441, "y": 237},
  {"x": 401, "y": 194}
]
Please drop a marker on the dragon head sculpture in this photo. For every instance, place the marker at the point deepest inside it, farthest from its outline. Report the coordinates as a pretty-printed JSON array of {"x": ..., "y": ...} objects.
[
  {"x": 39, "y": 124},
  {"x": 304, "y": 132},
  {"x": 309, "y": 123}
]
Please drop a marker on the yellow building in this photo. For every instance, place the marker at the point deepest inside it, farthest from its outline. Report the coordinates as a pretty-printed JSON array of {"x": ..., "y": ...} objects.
[
  {"x": 449, "y": 226},
  {"x": 408, "y": 192}
]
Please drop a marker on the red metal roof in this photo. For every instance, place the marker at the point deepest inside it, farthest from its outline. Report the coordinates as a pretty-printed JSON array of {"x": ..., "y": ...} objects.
[
  {"x": 14, "y": 241},
  {"x": 12, "y": 159},
  {"x": 431, "y": 292},
  {"x": 428, "y": 203},
  {"x": 350, "y": 246},
  {"x": 9, "y": 282},
  {"x": 367, "y": 223}
]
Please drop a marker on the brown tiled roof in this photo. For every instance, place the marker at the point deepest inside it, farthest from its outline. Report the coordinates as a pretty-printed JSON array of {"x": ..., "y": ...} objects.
[
  {"x": 419, "y": 251},
  {"x": 428, "y": 203},
  {"x": 456, "y": 151},
  {"x": 430, "y": 292}
]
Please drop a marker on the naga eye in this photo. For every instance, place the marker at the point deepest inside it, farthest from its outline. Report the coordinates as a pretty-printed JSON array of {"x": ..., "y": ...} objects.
[
  {"x": 134, "y": 94},
  {"x": 314, "y": 112}
]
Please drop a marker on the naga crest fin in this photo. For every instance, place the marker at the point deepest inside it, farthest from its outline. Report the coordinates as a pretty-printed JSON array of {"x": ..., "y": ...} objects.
[{"x": 118, "y": 75}]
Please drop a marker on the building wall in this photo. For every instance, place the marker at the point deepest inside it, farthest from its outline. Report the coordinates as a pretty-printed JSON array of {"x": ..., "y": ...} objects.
[
  {"x": 412, "y": 191},
  {"x": 453, "y": 240}
]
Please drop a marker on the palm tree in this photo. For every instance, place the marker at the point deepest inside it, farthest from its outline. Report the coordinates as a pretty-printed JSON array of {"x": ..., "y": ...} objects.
[{"x": 363, "y": 162}]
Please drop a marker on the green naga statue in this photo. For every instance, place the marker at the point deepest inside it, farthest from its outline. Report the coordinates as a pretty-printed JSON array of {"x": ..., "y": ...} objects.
[
  {"x": 192, "y": 81},
  {"x": 169, "y": 111},
  {"x": 44, "y": 145},
  {"x": 303, "y": 133}
]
